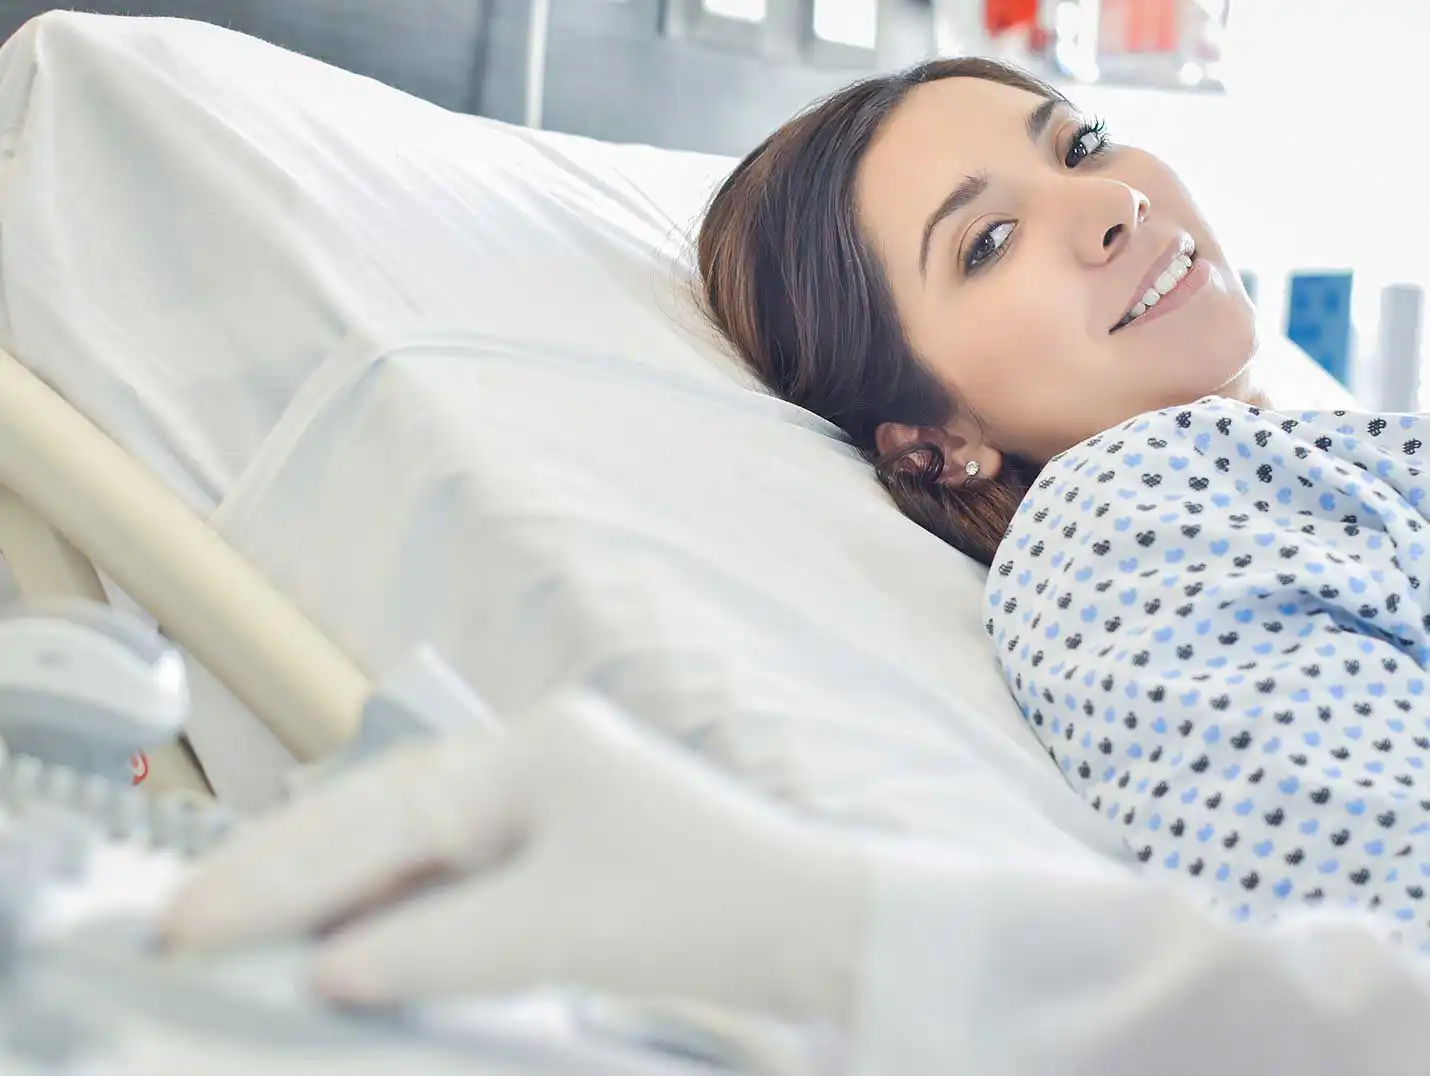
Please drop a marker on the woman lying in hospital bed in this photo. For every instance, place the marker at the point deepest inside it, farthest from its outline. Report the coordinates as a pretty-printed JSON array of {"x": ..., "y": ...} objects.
[{"x": 1210, "y": 612}]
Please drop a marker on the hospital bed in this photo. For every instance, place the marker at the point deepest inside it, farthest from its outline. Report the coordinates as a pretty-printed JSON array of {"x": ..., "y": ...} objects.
[
  {"x": 314, "y": 373},
  {"x": 217, "y": 254}
]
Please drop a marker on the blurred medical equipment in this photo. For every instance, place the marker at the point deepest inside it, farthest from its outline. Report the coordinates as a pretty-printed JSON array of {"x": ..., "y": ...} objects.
[
  {"x": 88, "y": 686},
  {"x": 86, "y": 863},
  {"x": 82, "y": 981},
  {"x": 1168, "y": 44}
]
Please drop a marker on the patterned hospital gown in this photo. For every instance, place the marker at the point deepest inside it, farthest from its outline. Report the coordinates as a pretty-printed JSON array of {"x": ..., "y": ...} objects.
[{"x": 1216, "y": 619}]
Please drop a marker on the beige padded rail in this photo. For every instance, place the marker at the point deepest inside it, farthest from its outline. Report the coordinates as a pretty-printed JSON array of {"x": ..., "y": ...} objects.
[{"x": 111, "y": 510}]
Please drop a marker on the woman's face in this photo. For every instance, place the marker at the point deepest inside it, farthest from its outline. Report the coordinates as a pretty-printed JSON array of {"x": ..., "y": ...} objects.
[{"x": 1016, "y": 242}]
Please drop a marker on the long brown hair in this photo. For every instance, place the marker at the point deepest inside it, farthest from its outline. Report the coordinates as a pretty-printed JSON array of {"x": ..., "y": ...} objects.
[{"x": 789, "y": 278}]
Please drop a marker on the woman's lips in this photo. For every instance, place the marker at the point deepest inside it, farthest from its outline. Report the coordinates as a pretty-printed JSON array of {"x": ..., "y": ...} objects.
[{"x": 1196, "y": 279}]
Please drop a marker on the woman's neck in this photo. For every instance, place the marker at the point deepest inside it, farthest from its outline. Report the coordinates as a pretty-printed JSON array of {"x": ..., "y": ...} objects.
[
  {"x": 1244, "y": 388},
  {"x": 1257, "y": 398}
]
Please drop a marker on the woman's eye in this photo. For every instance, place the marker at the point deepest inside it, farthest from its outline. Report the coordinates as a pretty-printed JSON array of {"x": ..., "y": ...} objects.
[
  {"x": 988, "y": 246},
  {"x": 1091, "y": 140}
]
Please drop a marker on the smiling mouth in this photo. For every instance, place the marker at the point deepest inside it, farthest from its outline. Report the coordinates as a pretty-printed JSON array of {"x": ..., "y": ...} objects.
[{"x": 1161, "y": 286}]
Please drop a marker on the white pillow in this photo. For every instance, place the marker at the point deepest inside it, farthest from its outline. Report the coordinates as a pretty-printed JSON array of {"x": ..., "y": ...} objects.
[
  {"x": 192, "y": 220},
  {"x": 1292, "y": 379}
]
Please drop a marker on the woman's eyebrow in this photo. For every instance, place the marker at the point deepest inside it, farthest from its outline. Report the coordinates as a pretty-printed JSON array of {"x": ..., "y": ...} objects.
[
  {"x": 967, "y": 191},
  {"x": 1038, "y": 119}
]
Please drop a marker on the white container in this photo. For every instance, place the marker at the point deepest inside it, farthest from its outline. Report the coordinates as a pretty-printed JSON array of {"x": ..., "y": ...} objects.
[{"x": 1398, "y": 341}]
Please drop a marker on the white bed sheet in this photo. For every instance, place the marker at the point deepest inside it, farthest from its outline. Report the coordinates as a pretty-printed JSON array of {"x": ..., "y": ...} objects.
[{"x": 720, "y": 561}]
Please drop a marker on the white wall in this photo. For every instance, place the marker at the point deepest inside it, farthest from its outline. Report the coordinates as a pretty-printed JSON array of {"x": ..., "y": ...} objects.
[{"x": 1315, "y": 157}]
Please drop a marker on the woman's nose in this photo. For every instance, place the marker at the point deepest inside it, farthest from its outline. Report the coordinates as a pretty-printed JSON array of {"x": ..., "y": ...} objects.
[{"x": 1112, "y": 213}]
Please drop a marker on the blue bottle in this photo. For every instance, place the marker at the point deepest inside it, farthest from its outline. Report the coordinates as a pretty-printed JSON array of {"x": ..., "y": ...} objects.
[{"x": 1318, "y": 319}]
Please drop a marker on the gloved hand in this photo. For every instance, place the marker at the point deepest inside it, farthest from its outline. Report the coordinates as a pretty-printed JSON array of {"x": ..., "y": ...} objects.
[{"x": 577, "y": 850}]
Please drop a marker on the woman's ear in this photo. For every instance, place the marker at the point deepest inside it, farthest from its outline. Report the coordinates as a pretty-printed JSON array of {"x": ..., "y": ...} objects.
[{"x": 960, "y": 445}]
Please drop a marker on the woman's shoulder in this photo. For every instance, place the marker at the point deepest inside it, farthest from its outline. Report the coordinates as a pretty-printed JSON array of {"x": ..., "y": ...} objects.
[
  {"x": 1221, "y": 457},
  {"x": 1215, "y": 425},
  {"x": 1174, "y": 424},
  {"x": 1144, "y": 447}
]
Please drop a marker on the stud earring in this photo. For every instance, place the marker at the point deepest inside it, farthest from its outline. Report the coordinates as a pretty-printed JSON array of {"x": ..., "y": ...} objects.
[{"x": 971, "y": 468}]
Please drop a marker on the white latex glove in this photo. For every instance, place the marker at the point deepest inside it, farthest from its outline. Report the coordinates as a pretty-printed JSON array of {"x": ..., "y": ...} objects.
[{"x": 578, "y": 850}]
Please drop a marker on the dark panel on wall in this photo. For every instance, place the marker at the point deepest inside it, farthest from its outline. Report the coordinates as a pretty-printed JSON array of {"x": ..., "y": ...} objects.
[
  {"x": 709, "y": 98},
  {"x": 610, "y": 72},
  {"x": 431, "y": 48}
]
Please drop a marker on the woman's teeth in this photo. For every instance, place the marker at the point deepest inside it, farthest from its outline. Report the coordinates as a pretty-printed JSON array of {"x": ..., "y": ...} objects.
[{"x": 1180, "y": 266}]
